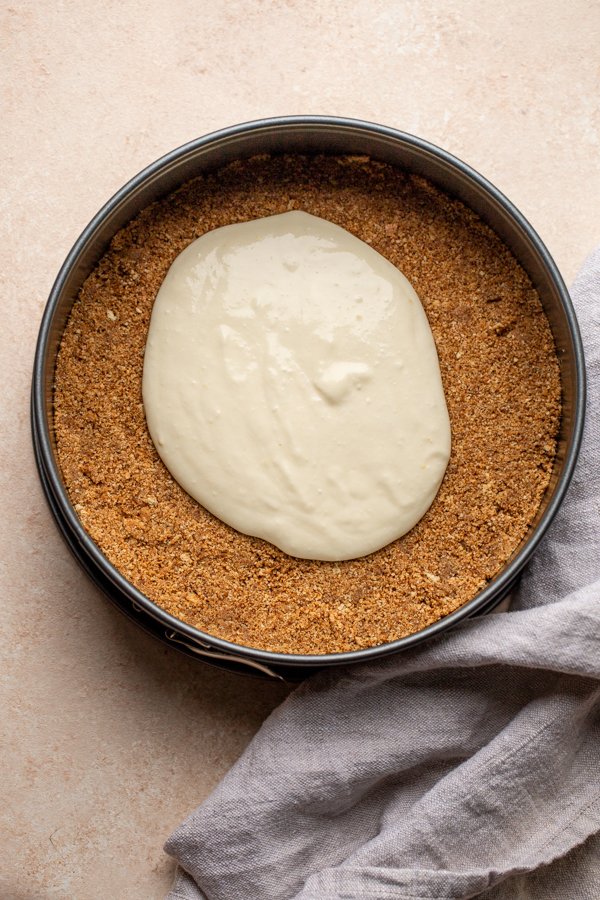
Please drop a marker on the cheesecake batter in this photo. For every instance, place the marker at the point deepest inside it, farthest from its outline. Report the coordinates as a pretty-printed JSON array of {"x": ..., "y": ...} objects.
[{"x": 291, "y": 385}]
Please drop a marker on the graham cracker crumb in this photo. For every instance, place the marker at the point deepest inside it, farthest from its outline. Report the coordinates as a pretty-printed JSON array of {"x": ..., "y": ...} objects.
[{"x": 500, "y": 375}]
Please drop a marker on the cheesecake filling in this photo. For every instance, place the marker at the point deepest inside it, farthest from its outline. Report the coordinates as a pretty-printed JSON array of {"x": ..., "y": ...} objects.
[{"x": 292, "y": 386}]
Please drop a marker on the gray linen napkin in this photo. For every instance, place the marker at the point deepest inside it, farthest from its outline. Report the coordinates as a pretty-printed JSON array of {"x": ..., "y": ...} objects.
[{"x": 467, "y": 767}]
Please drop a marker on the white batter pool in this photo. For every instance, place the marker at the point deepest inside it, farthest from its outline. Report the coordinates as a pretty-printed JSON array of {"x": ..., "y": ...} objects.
[{"x": 292, "y": 387}]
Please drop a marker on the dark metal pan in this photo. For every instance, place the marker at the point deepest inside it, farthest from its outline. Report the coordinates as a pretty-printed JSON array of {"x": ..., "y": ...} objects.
[{"x": 302, "y": 134}]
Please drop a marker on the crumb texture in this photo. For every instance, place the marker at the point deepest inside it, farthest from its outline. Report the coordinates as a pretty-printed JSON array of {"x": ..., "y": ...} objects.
[{"x": 500, "y": 375}]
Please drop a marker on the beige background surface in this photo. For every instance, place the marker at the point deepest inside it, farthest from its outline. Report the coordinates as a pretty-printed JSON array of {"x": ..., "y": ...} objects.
[{"x": 108, "y": 738}]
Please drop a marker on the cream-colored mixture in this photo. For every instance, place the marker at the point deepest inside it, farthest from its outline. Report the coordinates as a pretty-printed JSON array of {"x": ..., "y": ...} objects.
[{"x": 291, "y": 386}]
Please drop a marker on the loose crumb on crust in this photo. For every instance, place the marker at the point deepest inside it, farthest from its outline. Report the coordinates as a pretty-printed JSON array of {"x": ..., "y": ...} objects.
[{"x": 500, "y": 375}]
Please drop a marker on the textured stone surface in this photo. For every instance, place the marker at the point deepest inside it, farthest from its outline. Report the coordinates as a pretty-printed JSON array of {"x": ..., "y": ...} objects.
[{"x": 109, "y": 739}]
